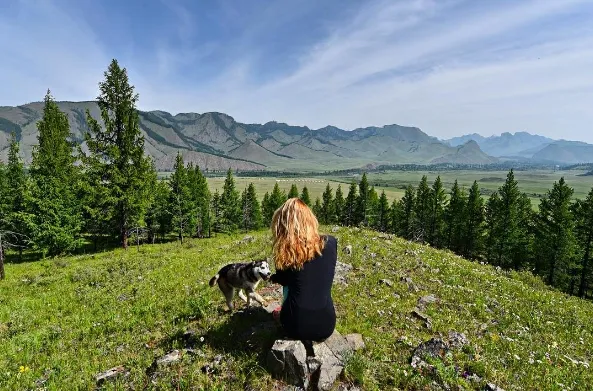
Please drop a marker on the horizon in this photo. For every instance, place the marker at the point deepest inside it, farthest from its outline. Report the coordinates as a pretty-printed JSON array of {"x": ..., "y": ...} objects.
[{"x": 449, "y": 68}]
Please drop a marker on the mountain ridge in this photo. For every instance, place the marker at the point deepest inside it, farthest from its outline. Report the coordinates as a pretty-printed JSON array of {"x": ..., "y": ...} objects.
[{"x": 216, "y": 141}]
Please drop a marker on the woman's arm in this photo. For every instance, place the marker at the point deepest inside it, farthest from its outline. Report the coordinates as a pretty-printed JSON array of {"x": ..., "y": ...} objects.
[{"x": 280, "y": 277}]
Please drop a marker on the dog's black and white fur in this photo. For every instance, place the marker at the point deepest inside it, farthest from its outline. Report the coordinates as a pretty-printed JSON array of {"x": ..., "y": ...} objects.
[{"x": 243, "y": 277}]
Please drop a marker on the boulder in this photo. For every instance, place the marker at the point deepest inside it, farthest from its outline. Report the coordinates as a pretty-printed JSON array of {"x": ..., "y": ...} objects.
[
  {"x": 288, "y": 360},
  {"x": 434, "y": 347},
  {"x": 340, "y": 272},
  {"x": 457, "y": 340}
]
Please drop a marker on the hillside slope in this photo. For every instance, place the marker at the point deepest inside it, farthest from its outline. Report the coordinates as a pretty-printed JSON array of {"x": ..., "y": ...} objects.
[
  {"x": 217, "y": 141},
  {"x": 64, "y": 321}
]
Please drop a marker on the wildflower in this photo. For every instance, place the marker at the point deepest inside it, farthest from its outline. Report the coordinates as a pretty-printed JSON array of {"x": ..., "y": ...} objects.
[{"x": 23, "y": 369}]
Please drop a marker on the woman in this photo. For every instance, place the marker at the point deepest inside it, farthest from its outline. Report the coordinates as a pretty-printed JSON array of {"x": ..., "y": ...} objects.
[{"x": 305, "y": 264}]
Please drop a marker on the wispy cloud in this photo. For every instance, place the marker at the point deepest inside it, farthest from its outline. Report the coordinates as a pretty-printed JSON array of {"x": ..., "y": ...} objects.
[{"x": 449, "y": 67}]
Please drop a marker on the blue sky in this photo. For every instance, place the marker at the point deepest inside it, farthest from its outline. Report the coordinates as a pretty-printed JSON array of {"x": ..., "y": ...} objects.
[{"x": 449, "y": 67}]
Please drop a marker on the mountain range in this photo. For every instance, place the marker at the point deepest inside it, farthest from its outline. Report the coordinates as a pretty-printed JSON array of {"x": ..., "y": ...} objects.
[
  {"x": 215, "y": 141},
  {"x": 531, "y": 147}
]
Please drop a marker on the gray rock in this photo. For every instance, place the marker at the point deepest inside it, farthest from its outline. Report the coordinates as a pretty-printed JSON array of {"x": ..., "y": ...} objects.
[
  {"x": 335, "y": 229},
  {"x": 457, "y": 340},
  {"x": 493, "y": 387},
  {"x": 169, "y": 358},
  {"x": 247, "y": 239},
  {"x": 112, "y": 374},
  {"x": 288, "y": 360},
  {"x": 342, "y": 269},
  {"x": 424, "y": 300},
  {"x": 347, "y": 250},
  {"x": 434, "y": 347},
  {"x": 422, "y": 316}
]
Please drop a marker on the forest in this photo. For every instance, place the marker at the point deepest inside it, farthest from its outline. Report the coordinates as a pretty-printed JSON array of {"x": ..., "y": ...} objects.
[{"x": 109, "y": 192}]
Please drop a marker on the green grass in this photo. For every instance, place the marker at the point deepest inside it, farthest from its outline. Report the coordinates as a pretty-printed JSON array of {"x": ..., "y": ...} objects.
[{"x": 75, "y": 317}]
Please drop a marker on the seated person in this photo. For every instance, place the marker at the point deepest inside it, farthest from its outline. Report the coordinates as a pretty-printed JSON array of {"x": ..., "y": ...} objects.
[{"x": 305, "y": 264}]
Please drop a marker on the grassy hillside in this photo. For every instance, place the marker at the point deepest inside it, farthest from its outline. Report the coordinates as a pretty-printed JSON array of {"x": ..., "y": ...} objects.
[{"x": 63, "y": 321}]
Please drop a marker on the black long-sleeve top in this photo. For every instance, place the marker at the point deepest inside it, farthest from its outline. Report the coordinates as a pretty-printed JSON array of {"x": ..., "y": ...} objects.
[{"x": 308, "y": 312}]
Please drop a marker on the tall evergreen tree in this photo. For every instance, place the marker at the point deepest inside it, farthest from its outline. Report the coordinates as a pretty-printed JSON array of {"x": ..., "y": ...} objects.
[
  {"x": 202, "y": 199},
  {"x": 276, "y": 200},
  {"x": 372, "y": 207},
  {"x": 230, "y": 203},
  {"x": 252, "y": 217},
  {"x": 583, "y": 213},
  {"x": 492, "y": 217},
  {"x": 159, "y": 217},
  {"x": 395, "y": 217},
  {"x": 455, "y": 219},
  {"x": 473, "y": 232},
  {"x": 180, "y": 201},
  {"x": 338, "y": 206},
  {"x": 437, "y": 205},
  {"x": 19, "y": 220},
  {"x": 305, "y": 197},
  {"x": 422, "y": 211},
  {"x": 349, "y": 213},
  {"x": 116, "y": 158},
  {"x": 317, "y": 208},
  {"x": 266, "y": 209},
  {"x": 382, "y": 213},
  {"x": 555, "y": 241},
  {"x": 327, "y": 211},
  {"x": 362, "y": 202},
  {"x": 57, "y": 220},
  {"x": 294, "y": 191},
  {"x": 216, "y": 215},
  {"x": 407, "y": 224}
]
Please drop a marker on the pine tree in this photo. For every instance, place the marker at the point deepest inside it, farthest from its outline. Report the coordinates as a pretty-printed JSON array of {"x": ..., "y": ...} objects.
[
  {"x": 473, "y": 232},
  {"x": 180, "y": 201},
  {"x": 158, "y": 217},
  {"x": 4, "y": 210},
  {"x": 57, "y": 220},
  {"x": 294, "y": 191},
  {"x": 372, "y": 207},
  {"x": 116, "y": 158},
  {"x": 455, "y": 219},
  {"x": 408, "y": 219},
  {"x": 437, "y": 205},
  {"x": 317, "y": 208},
  {"x": 252, "y": 217},
  {"x": 201, "y": 198},
  {"x": 19, "y": 220},
  {"x": 327, "y": 211},
  {"x": 276, "y": 200},
  {"x": 362, "y": 202},
  {"x": 338, "y": 206},
  {"x": 396, "y": 214},
  {"x": 583, "y": 214},
  {"x": 382, "y": 216},
  {"x": 305, "y": 196},
  {"x": 216, "y": 216},
  {"x": 266, "y": 210},
  {"x": 349, "y": 214},
  {"x": 422, "y": 211},
  {"x": 230, "y": 203},
  {"x": 555, "y": 241},
  {"x": 492, "y": 217}
]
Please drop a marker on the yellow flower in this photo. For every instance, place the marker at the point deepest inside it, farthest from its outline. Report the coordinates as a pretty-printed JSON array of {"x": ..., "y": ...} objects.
[{"x": 23, "y": 369}]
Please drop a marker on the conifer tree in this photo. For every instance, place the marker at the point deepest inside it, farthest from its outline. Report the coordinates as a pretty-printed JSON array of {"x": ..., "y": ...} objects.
[
  {"x": 252, "y": 217},
  {"x": 317, "y": 207},
  {"x": 230, "y": 204},
  {"x": 266, "y": 210},
  {"x": 422, "y": 211},
  {"x": 555, "y": 241},
  {"x": 583, "y": 213},
  {"x": 395, "y": 217},
  {"x": 492, "y": 217},
  {"x": 338, "y": 206},
  {"x": 371, "y": 208},
  {"x": 473, "y": 232},
  {"x": 382, "y": 213},
  {"x": 216, "y": 215},
  {"x": 362, "y": 202},
  {"x": 276, "y": 200},
  {"x": 437, "y": 205},
  {"x": 294, "y": 191},
  {"x": 159, "y": 217},
  {"x": 305, "y": 196},
  {"x": 350, "y": 206},
  {"x": 407, "y": 224},
  {"x": 116, "y": 159},
  {"x": 19, "y": 220},
  {"x": 455, "y": 218},
  {"x": 57, "y": 220},
  {"x": 327, "y": 206},
  {"x": 200, "y": 196},
  {"x": 180, "y": 199}
]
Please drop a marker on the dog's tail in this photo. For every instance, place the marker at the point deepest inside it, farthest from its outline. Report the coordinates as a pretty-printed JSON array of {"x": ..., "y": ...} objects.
[{"x": 214, "y": 279}]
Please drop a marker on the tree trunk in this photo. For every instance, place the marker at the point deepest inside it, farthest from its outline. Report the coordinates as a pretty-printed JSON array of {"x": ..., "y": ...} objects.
[
  {"x": 95, "y": 242},
  {"x": 2, "y": 275},
  {"x": 124, "y": 239},
  {"x": 583, "y": 283}
]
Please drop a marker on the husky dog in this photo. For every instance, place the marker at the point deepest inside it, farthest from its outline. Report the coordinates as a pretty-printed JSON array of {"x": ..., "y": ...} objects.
[{"x": 243, "y": 277}]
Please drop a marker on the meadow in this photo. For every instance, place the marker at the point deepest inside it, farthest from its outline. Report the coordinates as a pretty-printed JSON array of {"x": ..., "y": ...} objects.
[
  {"x": 64, "y": 320},
  {"x": 534, "y": 182}
]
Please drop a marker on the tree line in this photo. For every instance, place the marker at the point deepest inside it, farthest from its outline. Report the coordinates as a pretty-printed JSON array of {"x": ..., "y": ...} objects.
[{"x": 106, "y": 190}]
